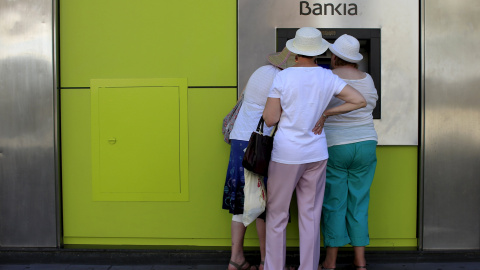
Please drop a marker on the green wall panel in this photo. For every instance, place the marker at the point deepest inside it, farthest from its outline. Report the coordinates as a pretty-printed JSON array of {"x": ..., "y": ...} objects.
[
  {"x": 148, "y": 39},
  {"x": 200, "y": 220},
  {"x": 393, "y": 203}
]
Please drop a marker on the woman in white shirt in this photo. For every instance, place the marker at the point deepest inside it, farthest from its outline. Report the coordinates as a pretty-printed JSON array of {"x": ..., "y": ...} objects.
[
  {"x": 352, "y": 143},
  {"x": 298, "y": 98},
  {"x": 255, "y": 97}
]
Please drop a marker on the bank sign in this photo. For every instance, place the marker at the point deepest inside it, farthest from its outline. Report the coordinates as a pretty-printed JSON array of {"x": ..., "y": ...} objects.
[{"x": 311, "y": 8}]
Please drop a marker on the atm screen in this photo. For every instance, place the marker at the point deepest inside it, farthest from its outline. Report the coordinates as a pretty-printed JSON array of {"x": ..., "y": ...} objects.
[{"x": 369, "y": 47}]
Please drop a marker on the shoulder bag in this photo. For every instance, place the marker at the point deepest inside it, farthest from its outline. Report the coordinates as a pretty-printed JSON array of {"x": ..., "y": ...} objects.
[{"x": 259, "y": 150}]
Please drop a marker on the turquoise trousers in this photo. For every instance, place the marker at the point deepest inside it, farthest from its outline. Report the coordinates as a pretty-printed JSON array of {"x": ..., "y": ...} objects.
[{"x": 350, "y": 171}]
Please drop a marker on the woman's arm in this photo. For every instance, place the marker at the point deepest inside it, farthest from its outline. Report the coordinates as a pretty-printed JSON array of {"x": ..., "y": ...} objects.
[
  {"x": 353, "y": 100},
  {"x": 272, "y": 111}
]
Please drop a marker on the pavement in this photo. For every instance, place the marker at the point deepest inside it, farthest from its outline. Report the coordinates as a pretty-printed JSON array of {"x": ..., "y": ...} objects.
[
  {"x": 371, "y": 266},
  {"x": 175, "y": 259}
]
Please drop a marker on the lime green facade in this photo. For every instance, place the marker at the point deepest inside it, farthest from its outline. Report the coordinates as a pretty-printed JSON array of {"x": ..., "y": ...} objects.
[{"x": 177, "y": 61}]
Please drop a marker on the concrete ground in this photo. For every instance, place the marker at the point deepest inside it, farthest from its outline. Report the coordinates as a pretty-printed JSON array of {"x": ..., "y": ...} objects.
[
  {"x": 371, "y": 266},
  {"x": 213, "y": 259}
]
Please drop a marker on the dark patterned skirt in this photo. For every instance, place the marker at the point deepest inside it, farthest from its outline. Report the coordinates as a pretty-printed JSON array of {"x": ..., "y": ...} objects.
[{"x": 233, "y": 197}]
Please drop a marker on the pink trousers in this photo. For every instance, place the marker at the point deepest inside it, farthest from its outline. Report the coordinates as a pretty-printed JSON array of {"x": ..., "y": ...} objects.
[{"x": 309, "y": 182}]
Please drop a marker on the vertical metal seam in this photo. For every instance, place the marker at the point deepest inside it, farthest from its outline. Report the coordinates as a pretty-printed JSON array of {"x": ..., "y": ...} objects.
[
  {"x": 421, "y": 176},
  {"x": 57, "y": 122}
]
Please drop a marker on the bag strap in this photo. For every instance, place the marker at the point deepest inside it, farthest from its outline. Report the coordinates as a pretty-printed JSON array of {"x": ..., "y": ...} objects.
[
  {"x": 274, "y": 131},
  {"x": 260, "y": 125},
  {"x": 261, "y": 122}
]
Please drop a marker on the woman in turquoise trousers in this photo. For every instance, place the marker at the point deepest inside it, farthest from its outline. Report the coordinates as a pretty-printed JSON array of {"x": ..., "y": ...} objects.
[{"x": 352, "y": 141}]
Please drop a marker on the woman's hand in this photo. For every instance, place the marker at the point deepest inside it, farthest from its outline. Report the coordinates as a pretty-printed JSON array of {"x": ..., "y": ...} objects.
[{"x": 317, "y": 130}]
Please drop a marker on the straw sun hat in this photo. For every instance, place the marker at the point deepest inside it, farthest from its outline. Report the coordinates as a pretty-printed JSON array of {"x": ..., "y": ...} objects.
[
  {"x": 347, "y": 48},
  {"x": 308, "y": 41},
  {"x": 283, "y": 59}
]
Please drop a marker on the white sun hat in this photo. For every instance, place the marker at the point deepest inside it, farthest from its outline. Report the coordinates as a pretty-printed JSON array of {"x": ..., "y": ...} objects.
[
  {"x": 308, "y": 41},
  {"x": 347, "y": 48}
]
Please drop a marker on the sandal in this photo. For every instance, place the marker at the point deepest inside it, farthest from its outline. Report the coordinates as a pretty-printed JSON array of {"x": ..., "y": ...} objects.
[
  {"x": 359, "y": 267},
  {"x": 240, "y": 266}
]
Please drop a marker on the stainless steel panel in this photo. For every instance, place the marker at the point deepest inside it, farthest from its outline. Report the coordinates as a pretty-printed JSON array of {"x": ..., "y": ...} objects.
[
  {"x": 451, "y": 216},
  {"x": 27, "y": 125},
  {"x": 399, "y": 24}
]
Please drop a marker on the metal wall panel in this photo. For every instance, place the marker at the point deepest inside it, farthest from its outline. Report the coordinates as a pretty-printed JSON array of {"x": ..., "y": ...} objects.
[
  {"x": 399, "y": 24},
  {"x": 451, "y": 216},
  {"x": 27, "y": 125}
]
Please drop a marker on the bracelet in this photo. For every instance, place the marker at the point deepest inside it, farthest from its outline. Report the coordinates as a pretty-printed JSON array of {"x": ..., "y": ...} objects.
[{"x": 324, "y": 116}]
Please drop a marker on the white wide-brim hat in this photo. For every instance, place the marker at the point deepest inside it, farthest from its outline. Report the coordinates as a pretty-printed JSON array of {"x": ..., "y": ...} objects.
[
  {"x": 308, "y": 41},
  {"x": 347, "y": 48}
]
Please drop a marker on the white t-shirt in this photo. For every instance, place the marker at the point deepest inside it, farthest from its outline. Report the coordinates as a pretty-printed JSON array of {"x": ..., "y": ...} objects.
[
  {"x": 304, "y": 94},
  {"x": 255, "y": 97},
  {"x": 357, "y": 125}
]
